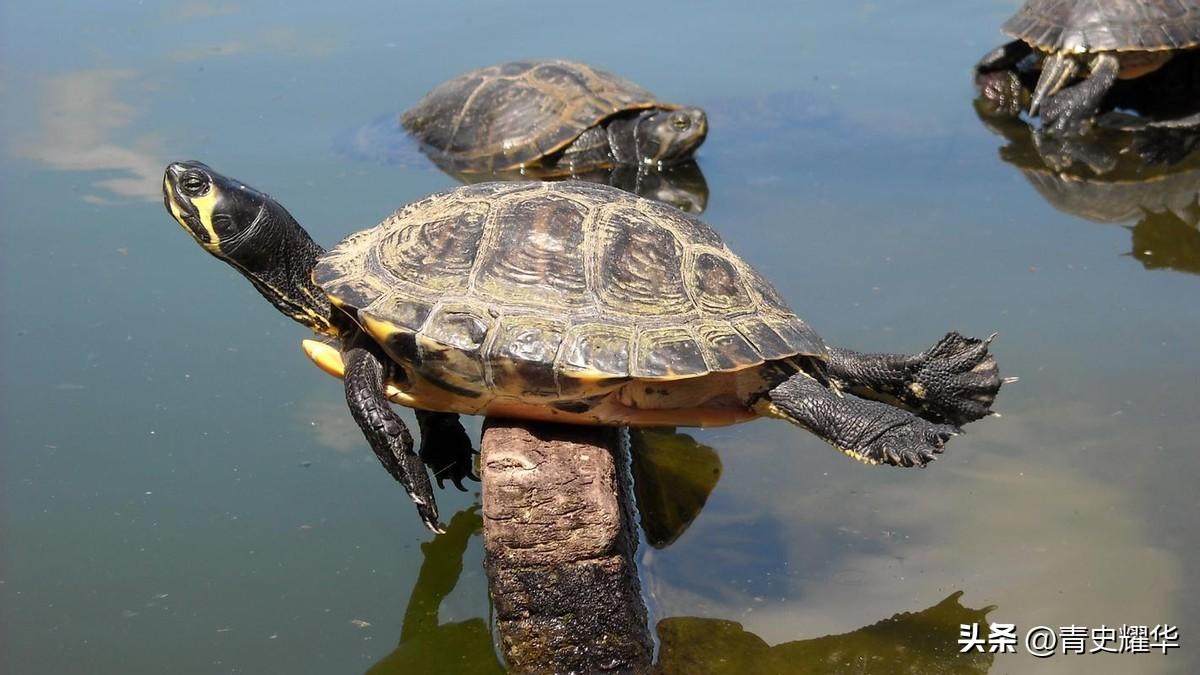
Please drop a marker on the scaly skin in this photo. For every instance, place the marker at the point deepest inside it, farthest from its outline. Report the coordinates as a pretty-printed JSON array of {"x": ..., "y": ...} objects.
[
  {"x": 385, "y": 431},
  {"x": 869, "y": 431},
  {"x": 1069, "y": 110}
]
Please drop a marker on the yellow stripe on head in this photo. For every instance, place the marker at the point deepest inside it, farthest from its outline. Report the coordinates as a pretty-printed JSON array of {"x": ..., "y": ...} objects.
[
  {"x": 204, "y": 208},
  {"x": 204, "y": 211},
  {"x": 173, "y": 205}
]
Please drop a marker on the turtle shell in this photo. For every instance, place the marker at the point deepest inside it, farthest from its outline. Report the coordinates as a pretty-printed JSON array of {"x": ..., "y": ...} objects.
[
  {"x": 551, "y": 290},
  {"x": 512, "y": 115},
  {"x": 1107, "y": 25}
]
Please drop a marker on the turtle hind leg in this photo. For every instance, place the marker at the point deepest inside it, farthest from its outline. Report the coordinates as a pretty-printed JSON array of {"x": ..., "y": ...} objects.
[
  {"x": 955, "y": 381},
  {"x": 385, "y": 431},
  {"x": 869, "y": 431},
  {"x": 446, "y": 448},
  {"x": 1071, "y": 108}
]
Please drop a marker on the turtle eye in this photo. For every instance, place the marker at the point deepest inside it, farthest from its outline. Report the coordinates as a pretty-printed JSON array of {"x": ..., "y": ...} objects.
[
  {"x": 194, "y": 184},
  {"x": 680, "y": 121}
]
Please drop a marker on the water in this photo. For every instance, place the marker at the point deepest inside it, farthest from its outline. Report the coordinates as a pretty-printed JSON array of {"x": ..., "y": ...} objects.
[{"x": 182, "y": 492}]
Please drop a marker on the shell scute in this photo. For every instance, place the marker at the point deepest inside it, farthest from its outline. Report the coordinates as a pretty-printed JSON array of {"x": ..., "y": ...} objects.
[
  {"x": 523, "y": 355},
  {"x": 765, "y": 340},
  {"x": 640, "y": 262},
  {"x": 597, "y": 351},
  {"x": 718, "y": 285},
  {"x": 668, "y": 353},
  {"x": 536, "y": 253},
  {"x": 727, "y": 348}
]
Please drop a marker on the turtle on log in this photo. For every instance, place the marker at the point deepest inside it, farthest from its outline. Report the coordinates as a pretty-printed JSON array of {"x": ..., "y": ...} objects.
[{"x": 567, "y": 302}]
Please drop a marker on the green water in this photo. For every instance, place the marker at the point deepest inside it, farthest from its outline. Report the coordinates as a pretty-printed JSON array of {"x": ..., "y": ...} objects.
[{"x": 182, "y": 492}]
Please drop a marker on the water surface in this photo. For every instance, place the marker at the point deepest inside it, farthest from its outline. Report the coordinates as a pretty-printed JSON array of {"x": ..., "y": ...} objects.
[{"x": 182, "y": 492}]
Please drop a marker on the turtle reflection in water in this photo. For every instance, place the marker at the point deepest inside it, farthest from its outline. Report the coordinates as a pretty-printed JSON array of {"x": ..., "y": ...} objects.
[
  {"x": 1081, "y": 54},
  {"x": 1124, "y": 171},
  {"x": 681, "y": 185},
  {"x": 686, "y": 644},
  {"x": 567, "y": 302}
]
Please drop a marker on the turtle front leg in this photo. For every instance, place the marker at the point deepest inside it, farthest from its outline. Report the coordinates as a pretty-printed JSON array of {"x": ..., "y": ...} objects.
[
  {"x": 1073, "y": 106},
  {"x": 955, "y": 381},
  {"x": 446, "y": 448},
  {"x": 385, "y": 431},
  {"x": 869, "y": 431}
]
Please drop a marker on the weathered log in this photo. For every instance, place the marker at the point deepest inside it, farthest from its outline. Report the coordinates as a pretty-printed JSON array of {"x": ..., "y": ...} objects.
[{"x": 559, "y": 544}]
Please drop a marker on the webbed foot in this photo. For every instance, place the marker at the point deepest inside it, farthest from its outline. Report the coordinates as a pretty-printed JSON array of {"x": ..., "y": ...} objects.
[
  {"x": 446, "y": 448},
  {"x": 1072, "y": 109},
  {"x": 912, "y": 442},
  {"x": 1067, "y": 113},
  {"x": 956, "y": 380},
  {"x": 1001, "y": 94}
]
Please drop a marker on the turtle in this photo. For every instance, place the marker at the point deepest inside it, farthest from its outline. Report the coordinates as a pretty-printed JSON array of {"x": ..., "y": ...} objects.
[
  {"x": 550, "y": 117},
  {"x": 1106, "y": 39},
  {"x": 567, "y": 302}
]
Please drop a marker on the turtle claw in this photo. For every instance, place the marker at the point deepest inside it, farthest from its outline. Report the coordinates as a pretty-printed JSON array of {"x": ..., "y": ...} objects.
[
  {"x": 428, "y": 512},
  {"x": 915, "y": 444},
  {"x": 451, "y": 466},
  {"x": 457, "y": 480},
  {"x": 411, "y": 475}
]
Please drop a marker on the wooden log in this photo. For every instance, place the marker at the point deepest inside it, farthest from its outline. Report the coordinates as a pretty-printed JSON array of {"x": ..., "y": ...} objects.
[{"x": 559, "y": 544}]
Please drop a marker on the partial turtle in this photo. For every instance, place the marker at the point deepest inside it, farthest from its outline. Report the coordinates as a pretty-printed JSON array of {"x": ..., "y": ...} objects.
[
  {"x": 550, "y": 118},
  {"x": 568, "y": 302},
  {"x": 1099, "y": 40}
]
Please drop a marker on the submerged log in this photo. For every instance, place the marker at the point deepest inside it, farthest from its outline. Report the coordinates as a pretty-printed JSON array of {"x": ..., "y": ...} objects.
[{"x": 559, "y": 542}]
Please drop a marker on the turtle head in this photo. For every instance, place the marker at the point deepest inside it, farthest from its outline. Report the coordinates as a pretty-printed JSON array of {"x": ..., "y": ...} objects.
[
  {"x": 221, "y": 214},
  {"x": 253, "y": 233},
  {"x": 670, "y": 136}
]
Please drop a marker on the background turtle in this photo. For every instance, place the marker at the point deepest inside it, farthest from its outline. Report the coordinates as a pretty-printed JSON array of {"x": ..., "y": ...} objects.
[
  {"x": 1105, "y": 40},
  {"x": 549, "y": 118},
  {"x": 570, "y": 302}
]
